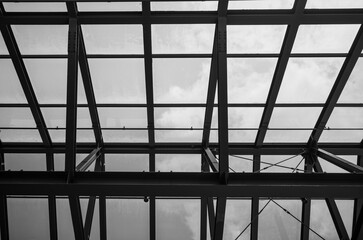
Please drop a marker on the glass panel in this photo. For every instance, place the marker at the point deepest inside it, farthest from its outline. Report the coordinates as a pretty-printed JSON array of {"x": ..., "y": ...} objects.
[
  {"x": 178, "y": 163},
  {"x": 26, "y": 162},
  {"x": 109, "y": 6},
  {"x": 179, "y": 117},
  {"x": 309, "y": 79},
  {"x": 238, "y": 215},
  {"x": 59, "y": 162},
  {"x": 83, "y": 118},
  {"x": 346, "y": 211},
  {"x": 16, "y": 117},
  {"x": 261, "y": 38},
  {"x": 64, "y": 220},
  {"x": 321, "y": 221},
  {"x": 179, "y": 218},
  {"x": 184, "y": 6},
  {"x": 125, "y": 136},
  {"x": 275, "y": 4},
  {"x": 127, "y": 162},
  {"x": 34, "y": 7},
  {"x": 241, "y": 163},
  {"x": 54, "y": 117},
  {"x": 3, "y": 49},
  {"x": 334, "y": 4},
  {"x": 301, "y": 117},
  {"x": 275, "y": 223},
  {"x": 57, "y": 135},
  {"x": 352, "y": 91},
  {"x": 28, "y": 218},
  {"x": 123, "y": 117},
  {"x": 85, "y": 136},
  {"x": 182, "y": 38},
  {"x": 118, "y": 80},
  {"x": 346, "y": 117},
  {"x": 178, "y": 135},
  {"x": 113, "y": 39},
  {"x": 329, "y": 167},
  {"x": 288, "y": 163},
  {"x": 287, "y": 136},
  {"x": 249, "y": 79},
  {"x": 128, "y": 218},
  {"x": 244, "y": 117},
  {"x": 10, "y": 88},
  {"x": 242, "y": 135},
  {"x": 353, "y": 136},
  {"x": 12, "y": 135},
  {"x": 182, "y": 80},
  {"x": 49, "y": 86},
  {"x": 324, "y": 38},
  {"x": 41, "y": 39}
]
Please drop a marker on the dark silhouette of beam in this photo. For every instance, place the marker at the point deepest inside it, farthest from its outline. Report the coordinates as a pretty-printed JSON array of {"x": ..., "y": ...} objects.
[
  {"x": 306, "y": 202},
  {"x": 338, "y": 161},
  {"x": 255, "y": 202}
]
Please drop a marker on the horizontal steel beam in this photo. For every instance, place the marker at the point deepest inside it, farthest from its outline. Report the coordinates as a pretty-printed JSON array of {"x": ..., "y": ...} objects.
[
  {"x": 317, "y": 185},
  {"x": 267, "y": 17}
]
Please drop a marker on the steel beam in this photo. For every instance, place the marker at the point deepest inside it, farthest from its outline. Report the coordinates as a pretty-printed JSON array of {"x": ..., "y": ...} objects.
[
  {"x": 87, "y": 161},
  {"x": 317, "y": 185},
  {"x": 76, "y": 217},
  {"x": 102, "y": 205},
  {"x": 255, "y": 202},
  {"x": 338, "y": 161},
  {"x": 358, "y": 229},
  {"x": 332, "y": 206},
  {"x": 211, "y": 160},
  {"x": 219, "y": 219},
  {"x": 52, "y": 205},
  {"x": 306, "y": 203},
  {"x": 25, "y": 82},
  {"x": 71, "y": 117},
  {"x": 4, "y": 225},
  {"x": 234, "y": 17},
  {"x": 279, "y": 72},
  {"x": 210, "y": 203},
  {"x": 358, "y": 208},
  {"x": 337, "y": 89}
]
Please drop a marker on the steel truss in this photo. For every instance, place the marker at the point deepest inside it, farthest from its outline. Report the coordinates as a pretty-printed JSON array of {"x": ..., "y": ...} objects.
[{"x": 215, "y": 179}]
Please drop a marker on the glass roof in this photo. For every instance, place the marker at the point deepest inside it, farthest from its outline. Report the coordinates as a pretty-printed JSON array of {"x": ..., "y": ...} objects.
[{"x": 151, "y": 93}]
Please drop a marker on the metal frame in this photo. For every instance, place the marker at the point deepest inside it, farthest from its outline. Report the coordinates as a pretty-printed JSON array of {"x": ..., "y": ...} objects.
[{"x": 215, "y": 180}]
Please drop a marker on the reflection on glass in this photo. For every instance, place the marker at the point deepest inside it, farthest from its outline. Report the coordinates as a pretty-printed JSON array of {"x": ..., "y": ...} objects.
[
  {"x": 41, "y": 39},
  {"x": 26, "y": 162},
  {"x": 287, "y": 136},
  {"x": 125, "y": 135},
  {"x": 49, "y": 86},
  {"x": 275, "y": 223},
  {"x": 324, "y": 38},
  {"x": 178, "y": 163},
  {"x": 334, "y": 4},
  {"x": 178, "y": 135},
  {"x": 179, "y": 117},
  {"x": 184, "y": 6},
  {"x": 113, "y": 39},
  {"x": 275, "y": 4},
  {"x": 288, "y": 117},
  {"x": 118, "y": 80},
  {"x": 28, "y": 218},
  {"x": 128, "y": 218},
  {"x": 194, "y": 38},
  {"x": 123, "y": 117},
  {"x": 127, "y": 162},
  {"x": 309, "y": 80},
  {"x": 183, "y": 80},
  {"x": 109, "y": 6},
  {"x": 261, "y": 38},
  {"x": 34, "y": 7},
  {"x": 244, "y": 117},
  {"x": 242, "y": 136},
  {"x": 179, "y": 218},
  {"x": 13, "y": 135},
  {"x": 10, "y": 88},
  {"x": 352, "y": 91},
  {"x": 249, "y": 79},
  {"x": 16, "y": 117}
]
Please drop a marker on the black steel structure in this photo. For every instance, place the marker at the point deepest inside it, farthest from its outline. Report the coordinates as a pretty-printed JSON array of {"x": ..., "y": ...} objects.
[{"x": 217, "y": 181}]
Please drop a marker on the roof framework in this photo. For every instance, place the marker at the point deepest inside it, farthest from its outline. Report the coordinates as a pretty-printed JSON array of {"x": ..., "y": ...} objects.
[{"x": 216, "y": 179}]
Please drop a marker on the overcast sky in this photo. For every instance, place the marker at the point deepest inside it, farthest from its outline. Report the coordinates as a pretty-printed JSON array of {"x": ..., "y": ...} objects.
[{"x": 306, "y": 80}]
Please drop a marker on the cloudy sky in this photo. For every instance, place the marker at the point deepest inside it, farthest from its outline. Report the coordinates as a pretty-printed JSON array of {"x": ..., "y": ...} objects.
[{"x": 185, "y": 80}]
